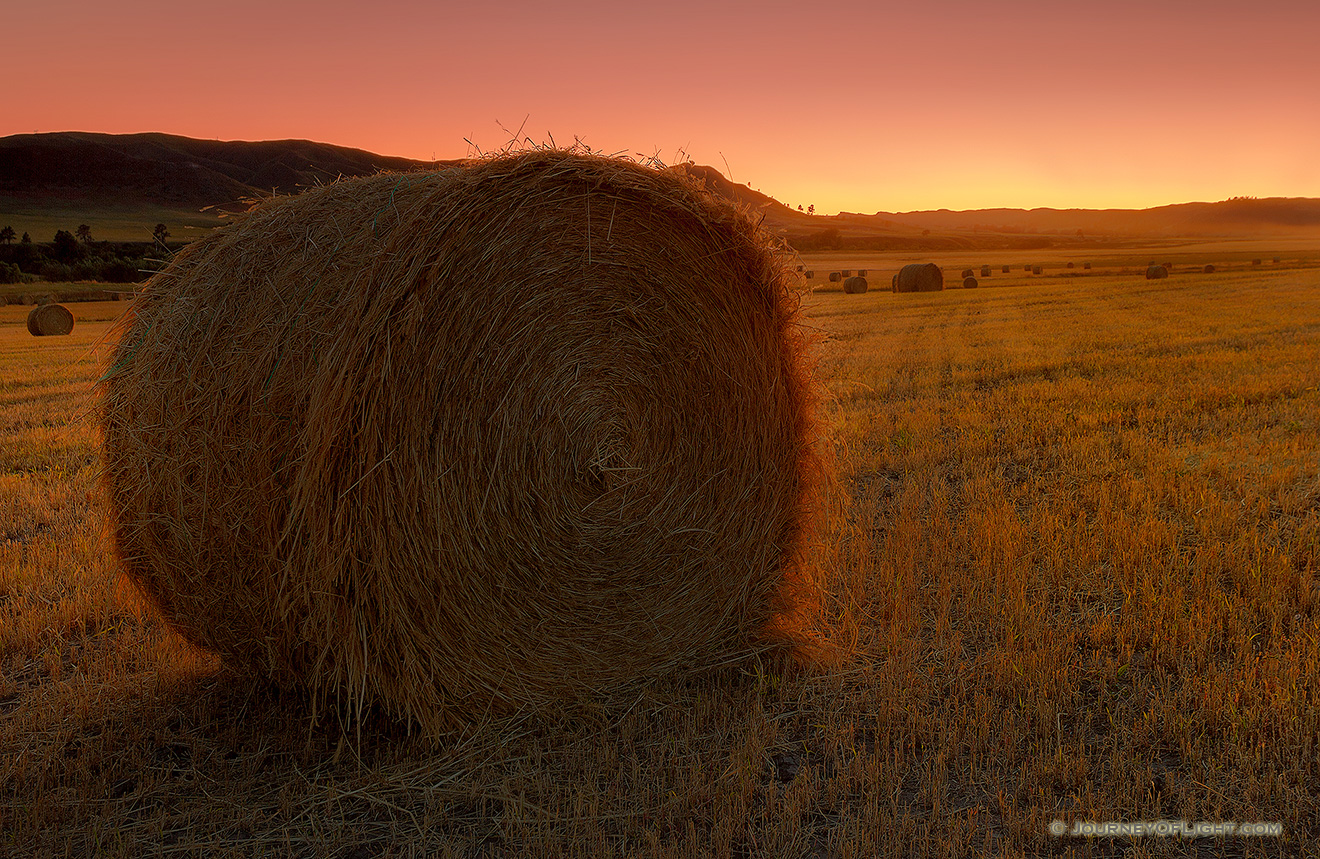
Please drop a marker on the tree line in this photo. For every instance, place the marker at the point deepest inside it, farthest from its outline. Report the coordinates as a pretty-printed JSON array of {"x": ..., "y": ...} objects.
[{"x": 77, "y": 256}]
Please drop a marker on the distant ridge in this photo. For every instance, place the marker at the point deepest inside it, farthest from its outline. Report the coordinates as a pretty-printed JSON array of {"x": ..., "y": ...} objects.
[{"x": 80, "y": 172}]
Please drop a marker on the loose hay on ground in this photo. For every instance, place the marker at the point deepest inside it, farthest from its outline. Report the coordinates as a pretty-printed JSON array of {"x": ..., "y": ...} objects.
[{"x": 469, "y": 441}]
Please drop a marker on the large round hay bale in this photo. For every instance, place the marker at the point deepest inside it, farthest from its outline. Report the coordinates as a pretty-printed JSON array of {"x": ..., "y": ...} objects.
[
  {"x": 853, "y": 285},
  {"x": 464, "y": 442},
  {"x": 985, "y": 271},
  {"x": 969, "y": 283},
  {"x": 1155, "y": 272},
  {"x": 967, "y": 272},
  {"x": 811, "y": 275},
  {"x": 834, "y": 277},
  {"x": 919, "y": 277},
  {"x": 46, "y": 320},
  {"x": 1209, "y": 269}
]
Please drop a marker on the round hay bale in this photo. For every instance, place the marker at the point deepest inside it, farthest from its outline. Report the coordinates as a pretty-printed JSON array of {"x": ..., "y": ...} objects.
[
  {"x": 1277, "y": 260},
  {"x": 1035, "y": 269},
  {"x": 967, "y": 272},
  {"x": 1027, "y": 269},
  {"x": 969, "y": 283},
  {"x": 834, "y": 277},
  {"x": 893, "y": 283},
  {"x": 1072, "y": 265},
  {"x": 919, "y": 277},
  {"x": 1086, "y": 265},
  {"x": 861, "y": 272},
  {"x": 985, "y": 271},
  {"x": 47, "y": 320},
  {"x": 1255, "y": 262},
  {"x": 1209, "y": 269},
  {"x": 469, "y": 441},
  {"x": 811, "y": 275},
  {"x": 846, "y": 273},
  {"x": 1007, "y": 269},
  {"x": 27, "y": 299},
  {"x": 1155, "y": 272},
  {"x": 854, "y": 285}
]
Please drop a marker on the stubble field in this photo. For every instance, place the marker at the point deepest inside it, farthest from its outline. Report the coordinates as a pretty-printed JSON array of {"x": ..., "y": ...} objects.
[{"x": 1072, "y": 551}]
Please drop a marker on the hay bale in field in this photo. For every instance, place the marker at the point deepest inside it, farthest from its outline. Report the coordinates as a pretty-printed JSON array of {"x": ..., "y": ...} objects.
[
  {"x": 1027, "y": 269},
  {"x": 1007, "y": 269},
  {"x": 47, "y": 320},
  {"x": 846, "y": 273},
  {"x": 969, "y": 283},
  {"x": 1072, "y": 265},
  {"x": 1035, "y": 269},
  {"x": 854, "y": 285},
  {"x": 919, "y": 277},
  {"x": 1155, "y": 272},
  {"x": 861, "y": 272},
  {"x": 1277, "y": 260},
  {"x": 470, "y": 441},
  {"x": 800, "y": 268},
  {"x": 1209, "y": 269},
  {"x": 967, "y": 272},
  {"x": 1086, "y": 265},
  {"x": 27, "y": 300},
  {"x": 811, "y": 275},
  {"x": 985, "y": 271},
  {"x": 834, "y": 277},
  {"x": 1255, "y": 262},
  {"x": 893, "y": 283}
]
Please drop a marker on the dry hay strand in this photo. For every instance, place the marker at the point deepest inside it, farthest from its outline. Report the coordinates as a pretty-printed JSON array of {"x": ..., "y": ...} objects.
[
  {"x": 1035, "y": 269},
  {"x": 1155, "y": 272},
  {"x": 985, "y": 271},
  {"x": 49, "y": 320},
  {"x": 1209, "y": 269},
  {"x": 967, "y": 272},
  {"x": 834, "y": 277},
  {"x": 470, "y": 441},
  {"x": 969, "y": 283},
  {"x": 854, "y": 285},
  {"x": 919, "y": 277}
]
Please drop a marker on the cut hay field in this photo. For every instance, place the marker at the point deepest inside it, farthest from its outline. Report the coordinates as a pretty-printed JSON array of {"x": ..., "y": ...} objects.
[{"x": 1073, "y": 551}]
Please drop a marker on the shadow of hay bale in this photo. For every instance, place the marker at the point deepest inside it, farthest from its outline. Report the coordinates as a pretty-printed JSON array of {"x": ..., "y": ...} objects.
[{"x": 469, "y": 441}]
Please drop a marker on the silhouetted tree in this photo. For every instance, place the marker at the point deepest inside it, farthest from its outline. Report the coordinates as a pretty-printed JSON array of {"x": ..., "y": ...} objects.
[
  {"x": 811, "y": 209},
  {"x": 27, "y": 240},
  {"x": 7, "y": 235},
  {"x": 799, "y": 207},
  {"x": 84, "y": 234},
  {"x": 66, "y": 248},
  {"x": 160, "y": 234}
]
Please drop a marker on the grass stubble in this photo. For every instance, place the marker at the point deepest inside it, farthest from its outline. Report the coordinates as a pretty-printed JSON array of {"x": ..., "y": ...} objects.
[{"x": 1072, "y": 548}]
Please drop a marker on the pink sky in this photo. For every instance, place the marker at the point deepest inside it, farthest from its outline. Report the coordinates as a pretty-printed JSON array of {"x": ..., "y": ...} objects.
[{"x": 854, "y": 106}]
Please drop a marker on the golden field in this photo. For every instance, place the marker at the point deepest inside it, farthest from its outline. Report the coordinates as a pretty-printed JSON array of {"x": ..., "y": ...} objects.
[{"x": 1072, "y": 554}]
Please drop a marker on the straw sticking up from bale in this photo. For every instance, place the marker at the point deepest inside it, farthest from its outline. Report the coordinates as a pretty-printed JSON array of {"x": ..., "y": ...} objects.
[
  {"x": 919, "y": 277},
  {"x": 469, "y": 441},
  {"x": 854, "y": 285},
  {"x": 49, "y": 320}
]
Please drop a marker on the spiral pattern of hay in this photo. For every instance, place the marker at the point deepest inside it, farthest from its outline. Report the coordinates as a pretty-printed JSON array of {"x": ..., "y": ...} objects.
[
  {"x": 919, "y": 277},
  {"x": 854, "y": 285},
  {"x": 1155, "y": 272},
  {"x": 468, "y": 441},
  {"x": 47, "y": 320}
]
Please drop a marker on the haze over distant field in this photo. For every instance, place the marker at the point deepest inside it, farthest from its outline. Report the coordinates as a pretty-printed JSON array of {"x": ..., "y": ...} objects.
[{"x": 847, "y": 106}]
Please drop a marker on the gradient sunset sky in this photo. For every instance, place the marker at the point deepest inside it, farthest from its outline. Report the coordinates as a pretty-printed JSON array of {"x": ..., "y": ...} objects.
[{"x": 848, "y": 106}]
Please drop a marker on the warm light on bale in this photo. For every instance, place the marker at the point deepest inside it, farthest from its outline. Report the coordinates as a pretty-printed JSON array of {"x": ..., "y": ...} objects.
[
  {"x": 919, "y": 277},
  {"x": 49, "y": 320},
  {"x": 854, "y": 285},
  {"x": 469, "y": 441},
  {"x": 1155, "y": 272},
  {"x": 969, "y": 283}
]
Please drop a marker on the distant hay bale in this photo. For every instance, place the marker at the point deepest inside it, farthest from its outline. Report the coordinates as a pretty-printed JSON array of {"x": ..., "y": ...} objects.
[
  {"x": 1035, "y": 269},
  {"x": 799, "y": 268},
  {"x": 854, "y": 285},
  {"x": 985, "y": 271},
  {"x": 919, "y": 277},
  {"x": 1155, "y": 272},
  {"x": 1072, "y": 265},
  {"x": 969, "y": 283},
  {"x": 967, "y": 272},
  {"x": 1086, "y": 265},
  {"x": 46, "y": 298},
  {"x": 834, "y": 277},
  {"x": 861, "y": 272},
  {"x": 471, "y": 441},
  {"x": 1168, "y": 266},
  {"x": 49, "y": 320},
  {"x": 1027, "y": 269},
  {"x": 1007, "y": 269},
  {"x": 1277, "y": 260},
  {"x": 27, "y": 299},
  {"x": 1209, "y": 269},
  {"x": 846, "y": 273},
  {"x": 1255, "y": 262},
  {"x": 811, "y": 275}
]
